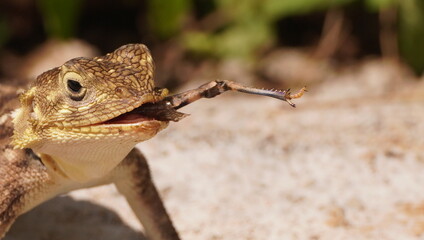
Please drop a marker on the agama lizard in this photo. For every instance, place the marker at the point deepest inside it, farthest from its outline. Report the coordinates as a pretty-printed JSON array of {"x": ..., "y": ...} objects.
[{"x": 77, "y": 125}]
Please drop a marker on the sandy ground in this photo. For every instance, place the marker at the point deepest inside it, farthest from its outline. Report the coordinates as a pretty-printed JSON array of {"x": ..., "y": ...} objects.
[{"x": 348, "y": 163}]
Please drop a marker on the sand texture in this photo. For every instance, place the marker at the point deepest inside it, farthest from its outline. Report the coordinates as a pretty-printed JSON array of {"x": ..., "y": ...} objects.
[{"x": 347, "y": 163}]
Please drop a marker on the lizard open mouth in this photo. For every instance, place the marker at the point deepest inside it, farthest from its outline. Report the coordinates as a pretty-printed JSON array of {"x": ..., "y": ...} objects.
[{"x": 160, "y": 111}]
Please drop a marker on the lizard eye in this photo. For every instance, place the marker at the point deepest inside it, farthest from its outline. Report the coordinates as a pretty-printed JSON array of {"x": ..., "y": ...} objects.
[{"x": 73, "y": 87}]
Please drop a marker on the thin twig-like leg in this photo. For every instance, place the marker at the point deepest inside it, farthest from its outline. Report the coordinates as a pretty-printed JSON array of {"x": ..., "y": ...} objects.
[
  {"x": 214, "y": 88},
  {"x": 133, "y": 180},
  {"x": 166, "y": 110}
]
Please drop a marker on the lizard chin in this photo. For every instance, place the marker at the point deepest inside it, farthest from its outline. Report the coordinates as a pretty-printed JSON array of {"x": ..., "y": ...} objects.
[
  {"x": 87, "y": 152},
  {"x": 91, "y": 152}
]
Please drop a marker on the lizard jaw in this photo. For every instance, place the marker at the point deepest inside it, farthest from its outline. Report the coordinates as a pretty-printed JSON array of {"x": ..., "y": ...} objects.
[
  {"x": 131, "y": 123},
  {"x": 146, "y": 117},
  {"x": 106, "y": 143}
]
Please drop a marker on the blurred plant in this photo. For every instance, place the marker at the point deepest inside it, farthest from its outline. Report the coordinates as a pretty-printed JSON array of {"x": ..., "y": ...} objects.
[
  {"x": 241, "y": 28},
  {"x": 248, "y": 25},
  {"x": 4, "y": 32},
  {"x": 60, "y": 17},
  {"x": 377, "y": 5},
  {"x": 233, "y": 28},
  {"x": 411, "y": 33},
  {"x": 166, "y": 17},
  {"x": 410, "y": 29}
]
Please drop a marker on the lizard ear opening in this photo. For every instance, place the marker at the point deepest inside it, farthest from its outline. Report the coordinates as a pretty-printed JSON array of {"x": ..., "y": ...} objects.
[
  {"x": 23, "y": 134},
  {"x": 75, "y": 90}
]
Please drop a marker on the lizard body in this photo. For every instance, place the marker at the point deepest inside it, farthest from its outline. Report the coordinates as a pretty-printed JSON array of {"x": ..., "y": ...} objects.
[
  {"x": 65, "y": 138},
  {"x": 77, "y": 125}
]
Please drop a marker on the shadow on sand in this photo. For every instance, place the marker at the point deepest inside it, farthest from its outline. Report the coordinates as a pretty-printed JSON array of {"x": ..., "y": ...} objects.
[{"x": 67, "y": 219}]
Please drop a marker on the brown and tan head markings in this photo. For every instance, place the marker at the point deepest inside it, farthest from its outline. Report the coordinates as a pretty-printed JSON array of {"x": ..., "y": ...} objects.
[{"x": 79, "y": 101}]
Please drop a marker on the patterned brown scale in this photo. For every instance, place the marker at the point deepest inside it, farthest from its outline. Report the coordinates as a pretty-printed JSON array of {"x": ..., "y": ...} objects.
[
  {"x": 21, "y": 171},
  {"x": 102, "y": 77},
  {"x": 77, "y": 125}
]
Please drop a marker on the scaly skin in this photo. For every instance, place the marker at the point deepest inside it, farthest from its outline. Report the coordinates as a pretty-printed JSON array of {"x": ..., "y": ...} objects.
[
  {"x": 77, "y": 125},
  {"x": 64, "y": 138}
]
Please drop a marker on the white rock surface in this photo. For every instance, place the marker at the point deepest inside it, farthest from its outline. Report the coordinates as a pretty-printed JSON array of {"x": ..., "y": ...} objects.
[{"x": 243, "y": 167}]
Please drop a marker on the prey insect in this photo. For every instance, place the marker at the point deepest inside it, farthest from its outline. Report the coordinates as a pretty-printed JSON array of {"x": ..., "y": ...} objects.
[
  {"x": 299, "y": 94},
  {"x": 166, "y": 110}
]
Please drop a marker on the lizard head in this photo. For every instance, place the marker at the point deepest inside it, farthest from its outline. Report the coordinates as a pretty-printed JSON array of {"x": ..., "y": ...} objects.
[{"x": 82, "y": 116}]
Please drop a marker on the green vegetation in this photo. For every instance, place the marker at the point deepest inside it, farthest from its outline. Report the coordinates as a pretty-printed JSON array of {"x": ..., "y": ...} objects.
[
  {"x": 249, "y": 25},
  {"x": 60, "y": 17},
  {"x": 233, "y": 28},
  {"x": 4, "y": 32},
  {"x": 166, "y": 17},
  {"x": 411, "y": 33}
]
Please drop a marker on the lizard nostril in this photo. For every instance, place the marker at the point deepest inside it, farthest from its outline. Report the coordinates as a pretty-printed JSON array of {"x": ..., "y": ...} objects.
[{"x": 122, "y": 92}]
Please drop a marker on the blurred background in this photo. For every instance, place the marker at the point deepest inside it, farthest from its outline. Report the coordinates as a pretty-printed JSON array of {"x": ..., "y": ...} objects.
[
  {"x": 347, "y": 163},
  {"x": 250, "y": 40}
]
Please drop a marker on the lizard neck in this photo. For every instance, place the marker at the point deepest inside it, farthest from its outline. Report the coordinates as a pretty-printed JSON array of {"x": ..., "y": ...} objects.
[{"x": 85, "y": 162}]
